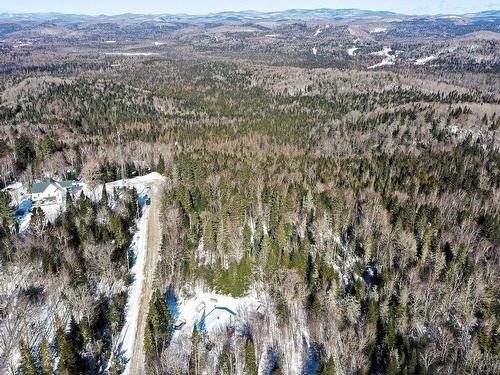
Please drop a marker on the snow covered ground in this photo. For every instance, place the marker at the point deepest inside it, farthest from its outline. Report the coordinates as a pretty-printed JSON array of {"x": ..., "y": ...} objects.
[
  {"x": 315, "y": 51},
  {"x": 127, "y": 335},
  {"x": 140, "y": 183},
  {"x": 19, "y": 194},
  {"x": 320, "y": 29},
  {"x": 212, "y": 312},
  {"x": 389, "y": 59},
  {"x": 425, "y": 60},
  {"x": 130, "y": 53},
  {"x": 351, "y": 51}
]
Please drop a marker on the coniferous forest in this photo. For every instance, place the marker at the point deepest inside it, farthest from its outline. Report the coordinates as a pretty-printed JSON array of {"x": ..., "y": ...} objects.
[{"x": 340, "y": 217}]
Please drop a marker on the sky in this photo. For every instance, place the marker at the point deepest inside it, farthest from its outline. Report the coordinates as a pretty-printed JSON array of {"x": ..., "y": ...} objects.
[{"x": 111, "y": 7}]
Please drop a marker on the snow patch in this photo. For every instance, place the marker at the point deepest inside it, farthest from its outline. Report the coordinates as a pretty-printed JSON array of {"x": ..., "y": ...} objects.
[
  {"x": 127, "y": 335},
  {"x": 351, "y": 51},
  {"x": 212, "y": 312},
  {"x": 384, "y": 52},
  {"x": 378, "y": 30},
  {"x": 130, "y": 53},
  {"x": 425, "y": 60},
  {"x": 315, "y": 51},
  {"x": 389, "y": 59},
  {"x": 320, "y": 30}
]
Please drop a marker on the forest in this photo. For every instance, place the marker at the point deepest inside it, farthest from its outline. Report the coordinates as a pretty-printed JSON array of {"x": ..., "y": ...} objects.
[{"x": 359, "y": 208}]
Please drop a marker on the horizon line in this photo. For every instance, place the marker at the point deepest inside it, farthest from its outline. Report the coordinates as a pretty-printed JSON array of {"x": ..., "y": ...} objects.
[{"x": 238, "y": 11}]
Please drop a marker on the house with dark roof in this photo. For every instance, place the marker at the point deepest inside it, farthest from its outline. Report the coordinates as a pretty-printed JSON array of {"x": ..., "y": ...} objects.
[{"x": 50, "y": 191}]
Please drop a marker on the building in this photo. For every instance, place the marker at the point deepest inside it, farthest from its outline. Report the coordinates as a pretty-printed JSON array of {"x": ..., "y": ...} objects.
[{"x": 50, "y": 192}]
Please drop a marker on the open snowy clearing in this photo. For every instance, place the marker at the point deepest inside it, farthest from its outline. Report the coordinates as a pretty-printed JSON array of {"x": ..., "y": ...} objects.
[
  {"x": 388, "y": 60},
  {"x": 320, "y": 29},
  {"x": 130, "y": 53},
  {"x": 212, "y": 312},
  {"x": 351, "y": 51},
  {"x": 425, "y": 60}
]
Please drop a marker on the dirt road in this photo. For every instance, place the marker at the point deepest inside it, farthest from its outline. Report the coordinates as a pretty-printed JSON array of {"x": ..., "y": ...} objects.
[{"x": 136, "y": 362}]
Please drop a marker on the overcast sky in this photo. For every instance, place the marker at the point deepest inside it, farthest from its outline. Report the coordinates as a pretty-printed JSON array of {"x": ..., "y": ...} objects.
[{"x": 207, "y": 6}]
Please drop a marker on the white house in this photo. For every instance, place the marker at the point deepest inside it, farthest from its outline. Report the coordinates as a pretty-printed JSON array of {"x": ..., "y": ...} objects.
[{"x": 50, "y": 192}]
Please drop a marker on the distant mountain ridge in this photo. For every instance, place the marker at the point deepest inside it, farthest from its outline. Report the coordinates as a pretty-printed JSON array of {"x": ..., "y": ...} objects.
[{"x": 226, "y": 15}]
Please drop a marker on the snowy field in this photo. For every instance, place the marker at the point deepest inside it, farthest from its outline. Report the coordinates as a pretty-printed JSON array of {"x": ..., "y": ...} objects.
[
  {"x": 378, "y": 30},
  {"x": 212, "y": 312},
  {"x": 320, "y": 29},
  {"x": 425, "y": 60},
  {"x": 130, "y": 53},
  {"x": 351, "y": 51},
  {"x": 388, "y": 58}
]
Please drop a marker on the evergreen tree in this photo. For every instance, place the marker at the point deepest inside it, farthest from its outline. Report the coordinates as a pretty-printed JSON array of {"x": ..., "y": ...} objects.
[
  {"x": 27, "y": 362},
  {"x": 46, "y": 363},
  {"x": 160, "y": 167},
  {"x": 68, "y": 357},
  {"x": 250, "y": 361},
  {"x": 194, "y": 358},
  {"x": 158, "y": 325},
  {"x": 327, "y": 367}
]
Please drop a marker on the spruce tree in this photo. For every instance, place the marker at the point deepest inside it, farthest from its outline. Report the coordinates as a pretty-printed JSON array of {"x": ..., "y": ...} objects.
[
  {"x": 250, "y": 361},
  {"x": 327, "y": 367},
  {"x": 194, "y": 359},
  {"x": 68, "y": 358},
  {"x": 160, "y": 167},
  {"x": 46, "y": 365},
  {"x": 27, "y": 363}
]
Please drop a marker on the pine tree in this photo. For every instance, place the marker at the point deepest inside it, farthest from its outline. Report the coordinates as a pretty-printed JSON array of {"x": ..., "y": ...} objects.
[
  {"x": 46, "y": 365},
  {"x": 327, "y": 367},
  {"x": 158, "y": 325},
  {"x": 104, "y": 199},
  {"x": 68, "y": 358},
  {"x": 224, "y": 366},
  {"x": 250, "y": 361},
  {"x": 27, "y": 363},
  {"x": 160, "y": 167},
  {"x": 194, "y": 359}
]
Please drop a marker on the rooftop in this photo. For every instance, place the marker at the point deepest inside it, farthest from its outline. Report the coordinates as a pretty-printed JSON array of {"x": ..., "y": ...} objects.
[{"x": 39, "y": 187}]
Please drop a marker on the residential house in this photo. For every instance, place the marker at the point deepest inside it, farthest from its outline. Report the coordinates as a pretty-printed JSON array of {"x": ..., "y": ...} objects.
[{"x": 50, "y": 192}]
